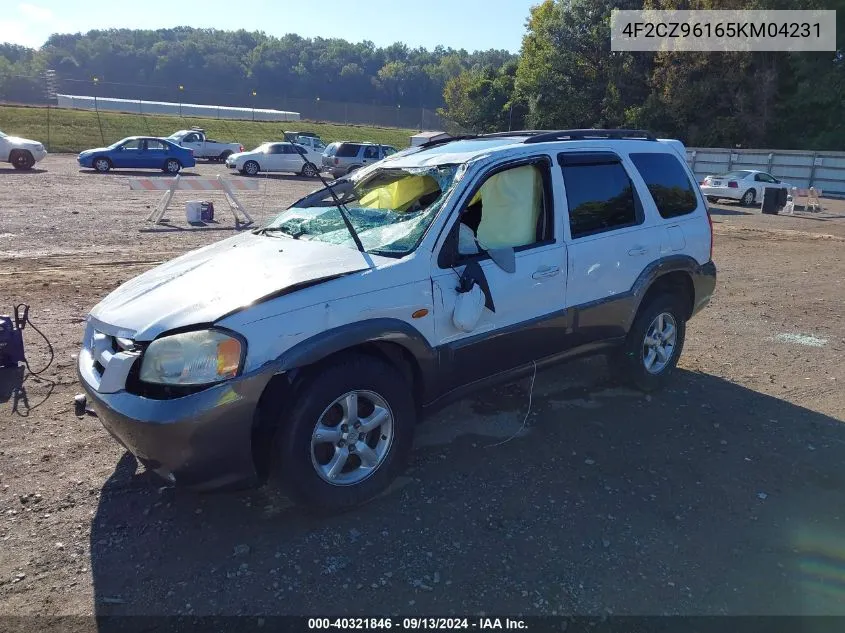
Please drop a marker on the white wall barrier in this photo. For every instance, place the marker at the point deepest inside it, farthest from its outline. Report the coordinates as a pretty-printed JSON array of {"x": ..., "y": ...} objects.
[
  {"x": 137, "y": 106},
  {"x": 824, "y": 171}
]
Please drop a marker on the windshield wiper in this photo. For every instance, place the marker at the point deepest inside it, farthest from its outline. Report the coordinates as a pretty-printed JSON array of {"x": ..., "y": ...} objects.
[{"x": 344, "y": 212}]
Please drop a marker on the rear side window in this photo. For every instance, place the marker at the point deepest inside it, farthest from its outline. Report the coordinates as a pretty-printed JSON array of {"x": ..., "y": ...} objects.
[
  {"x": 668, "y": 183},
  {"x": 599, "y": 193},
  {"x": 348, "y": 150}
]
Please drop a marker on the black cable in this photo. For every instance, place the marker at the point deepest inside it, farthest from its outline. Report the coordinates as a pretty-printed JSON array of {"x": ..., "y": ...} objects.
[{"x": 28, "y": 321}]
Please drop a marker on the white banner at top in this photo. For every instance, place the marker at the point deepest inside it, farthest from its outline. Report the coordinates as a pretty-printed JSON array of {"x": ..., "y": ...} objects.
[{"x": 735, "y": 30}]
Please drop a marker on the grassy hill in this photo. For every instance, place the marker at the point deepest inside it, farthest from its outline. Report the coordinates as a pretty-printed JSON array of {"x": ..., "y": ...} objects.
[{"x": 76, "y": 130}]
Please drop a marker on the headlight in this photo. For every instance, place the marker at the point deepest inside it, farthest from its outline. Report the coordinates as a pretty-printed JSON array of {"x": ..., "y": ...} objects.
[{"x": 192, "y": 358}]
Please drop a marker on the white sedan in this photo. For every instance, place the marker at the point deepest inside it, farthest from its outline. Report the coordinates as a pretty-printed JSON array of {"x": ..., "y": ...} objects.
[
  {"x": 745, "y": 185},
  {"x": 23, "y": 153},
  {"x": 267, "y": 157}
]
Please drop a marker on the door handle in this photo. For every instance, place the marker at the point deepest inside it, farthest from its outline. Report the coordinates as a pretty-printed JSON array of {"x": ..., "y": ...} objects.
[
  {"x": 638, "y": 250},
  {"x": 546, "y": 272}
]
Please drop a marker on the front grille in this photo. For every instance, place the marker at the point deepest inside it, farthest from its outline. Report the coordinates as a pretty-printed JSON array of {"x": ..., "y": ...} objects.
[{"x": 105, "y": 359}]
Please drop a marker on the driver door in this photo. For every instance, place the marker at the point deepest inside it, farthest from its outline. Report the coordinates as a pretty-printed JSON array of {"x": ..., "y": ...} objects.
[
  {"x": 194, "y": 142},
  {"x": 529, "y": 321},
  {"x": 129, "y": 154}
]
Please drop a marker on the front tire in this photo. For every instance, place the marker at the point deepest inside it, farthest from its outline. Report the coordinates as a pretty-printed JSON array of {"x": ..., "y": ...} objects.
[
  {"x": 251, "y": 168},
  {"x": 712, "y": 199},
  {"x": 22, "y": 159},
  {"x": 347, "y": 436},
  {"x": 172, "y": 166},
  {"x": 102, "y": 165},
  {"x": 653, "y": 345}
]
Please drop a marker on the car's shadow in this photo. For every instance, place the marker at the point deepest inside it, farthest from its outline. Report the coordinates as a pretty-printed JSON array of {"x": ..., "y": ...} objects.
[
  {"x": 706, "y": 498},
  {"x": 151, "y": 173},
  {"x": 280, "y": 176},
  {"x": 23, "y": 172},
  {"x": 722, "y": 210}
]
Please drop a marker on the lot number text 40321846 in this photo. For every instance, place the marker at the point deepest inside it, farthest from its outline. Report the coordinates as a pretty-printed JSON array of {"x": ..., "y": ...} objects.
[{"x": 413, "y": 624}]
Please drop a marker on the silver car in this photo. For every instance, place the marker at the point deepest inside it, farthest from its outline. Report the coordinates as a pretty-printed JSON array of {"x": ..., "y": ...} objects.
[{"x": 341, "y": 158}]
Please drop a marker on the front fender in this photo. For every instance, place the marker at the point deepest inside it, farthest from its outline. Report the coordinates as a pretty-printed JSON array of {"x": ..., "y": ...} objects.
[{"x": 347, "y": 336}]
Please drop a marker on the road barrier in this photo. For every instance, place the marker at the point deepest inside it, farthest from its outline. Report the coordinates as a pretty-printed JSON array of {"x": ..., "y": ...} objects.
[{"x": 170, "y": 186}]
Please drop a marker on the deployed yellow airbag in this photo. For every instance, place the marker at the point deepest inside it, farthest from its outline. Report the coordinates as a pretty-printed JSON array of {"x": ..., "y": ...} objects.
[
  {"x": 399, "y": 194},
  {"x": 510, "y": 208}
]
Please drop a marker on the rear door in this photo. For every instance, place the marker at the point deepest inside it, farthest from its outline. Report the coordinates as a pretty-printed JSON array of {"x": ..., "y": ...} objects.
[
  {"x": 674, "y": 201},
  {"x": 155, "y": 153},
  {"x": 611, "y": 240}
]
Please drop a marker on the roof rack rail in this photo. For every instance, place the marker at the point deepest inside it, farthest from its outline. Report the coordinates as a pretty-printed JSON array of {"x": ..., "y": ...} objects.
[{"x": 581, "y": 135}]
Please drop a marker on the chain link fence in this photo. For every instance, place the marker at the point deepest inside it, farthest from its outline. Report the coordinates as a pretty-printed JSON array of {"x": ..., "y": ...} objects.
[{"x": 41, "y": 90}]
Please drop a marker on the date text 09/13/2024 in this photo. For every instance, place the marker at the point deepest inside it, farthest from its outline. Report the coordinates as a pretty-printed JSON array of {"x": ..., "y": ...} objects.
[{"x": 408, "y": 624}]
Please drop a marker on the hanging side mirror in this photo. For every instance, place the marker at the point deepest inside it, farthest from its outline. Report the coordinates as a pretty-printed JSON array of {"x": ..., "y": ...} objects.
[{"x": 504, "y": 258}]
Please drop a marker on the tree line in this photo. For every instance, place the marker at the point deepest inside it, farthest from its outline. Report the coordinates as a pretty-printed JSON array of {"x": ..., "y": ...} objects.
[
  {"x": 565, "y": 76},
  {"x": 568, "y": 77},
  {"x": 204, "y": 63}
]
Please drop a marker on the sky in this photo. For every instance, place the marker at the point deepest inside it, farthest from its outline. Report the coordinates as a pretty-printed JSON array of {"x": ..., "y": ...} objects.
[{"x": 468, "y": 24}]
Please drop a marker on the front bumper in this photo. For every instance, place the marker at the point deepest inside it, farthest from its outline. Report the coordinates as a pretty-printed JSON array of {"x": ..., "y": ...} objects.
[
  {"x": 203, "y": 441},
  {"x": 721, "y": 192},
  {"x": 39, "y": 155}
]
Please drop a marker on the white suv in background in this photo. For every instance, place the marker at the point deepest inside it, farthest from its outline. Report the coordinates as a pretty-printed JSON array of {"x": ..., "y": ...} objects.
[
  {"x": 20, "y": 152},
  {"x": 306, "y": 351}
]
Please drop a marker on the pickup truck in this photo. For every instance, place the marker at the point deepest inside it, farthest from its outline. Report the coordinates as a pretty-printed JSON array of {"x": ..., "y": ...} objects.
[
  {"x": 204, "y": 147},
  {"x": 306, "y": 139},
  {"x": 20, "y": 152}
]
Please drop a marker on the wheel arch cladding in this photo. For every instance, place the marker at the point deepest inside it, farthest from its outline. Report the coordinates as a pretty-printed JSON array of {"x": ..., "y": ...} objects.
[{"x": 670, "y": 274}]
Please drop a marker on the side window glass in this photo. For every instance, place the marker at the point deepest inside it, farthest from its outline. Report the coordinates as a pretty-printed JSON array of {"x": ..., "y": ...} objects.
[
  {"x": 599, "y": 193},
  {"x": 667, "y": 182},
  {"x": 133, "y": 144}
]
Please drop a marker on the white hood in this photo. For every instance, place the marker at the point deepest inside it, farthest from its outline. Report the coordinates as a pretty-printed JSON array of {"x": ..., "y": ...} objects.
[
  {"x": 206, "y": 284},
  {"x": 17, "y": 140}
]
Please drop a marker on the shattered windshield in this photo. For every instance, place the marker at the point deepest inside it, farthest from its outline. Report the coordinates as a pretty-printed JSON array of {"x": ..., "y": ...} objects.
[{"x": 390, "y": 210}]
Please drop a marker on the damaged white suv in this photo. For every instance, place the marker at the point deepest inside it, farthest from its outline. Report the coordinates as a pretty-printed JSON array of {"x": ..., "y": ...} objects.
[{"x": 307, "y": 350}]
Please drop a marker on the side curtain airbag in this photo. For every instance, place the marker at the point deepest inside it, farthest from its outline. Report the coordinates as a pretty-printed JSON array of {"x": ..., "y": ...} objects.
[{"x": 511, "y": 207}]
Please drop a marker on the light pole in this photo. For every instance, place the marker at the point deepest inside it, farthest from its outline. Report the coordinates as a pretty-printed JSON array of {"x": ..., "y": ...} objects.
[
  {"x": 317, "y": 110},
  {"x": 398, "y": 107},
  {"x": 181, "y": 91},
  {"x": 254, "y": 94},
  {"x": 97, "y": 110}
]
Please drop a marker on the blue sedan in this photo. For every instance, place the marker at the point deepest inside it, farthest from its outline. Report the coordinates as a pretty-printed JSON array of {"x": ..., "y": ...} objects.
[{"x": 138, "y": 152}]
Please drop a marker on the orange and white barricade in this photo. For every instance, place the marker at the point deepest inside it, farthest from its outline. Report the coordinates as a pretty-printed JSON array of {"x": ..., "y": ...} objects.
[
  {"x": 170, "y": 186},
  {"x": 812, "y": 199}
]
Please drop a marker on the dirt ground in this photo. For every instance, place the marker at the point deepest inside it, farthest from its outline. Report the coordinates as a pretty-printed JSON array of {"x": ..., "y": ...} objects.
[{"x": 722, "y": 494}]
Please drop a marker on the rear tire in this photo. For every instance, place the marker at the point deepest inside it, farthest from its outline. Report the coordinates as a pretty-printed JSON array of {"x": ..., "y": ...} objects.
[
  {"x": 748, "y": 198},
  {"x": 251, "y": 168},
  {"x": 222, "y": 158},
  {"x": 653, "y": 345},
  {"x": 309, "y": 171},
  {"x": 309, "y": 439},
  {"x": 21, "y": 159},
  {"x": 712, "y": 199}
]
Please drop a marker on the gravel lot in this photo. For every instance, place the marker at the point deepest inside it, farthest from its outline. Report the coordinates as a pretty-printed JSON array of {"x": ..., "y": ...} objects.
[{"x": 723, "y": 494}]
